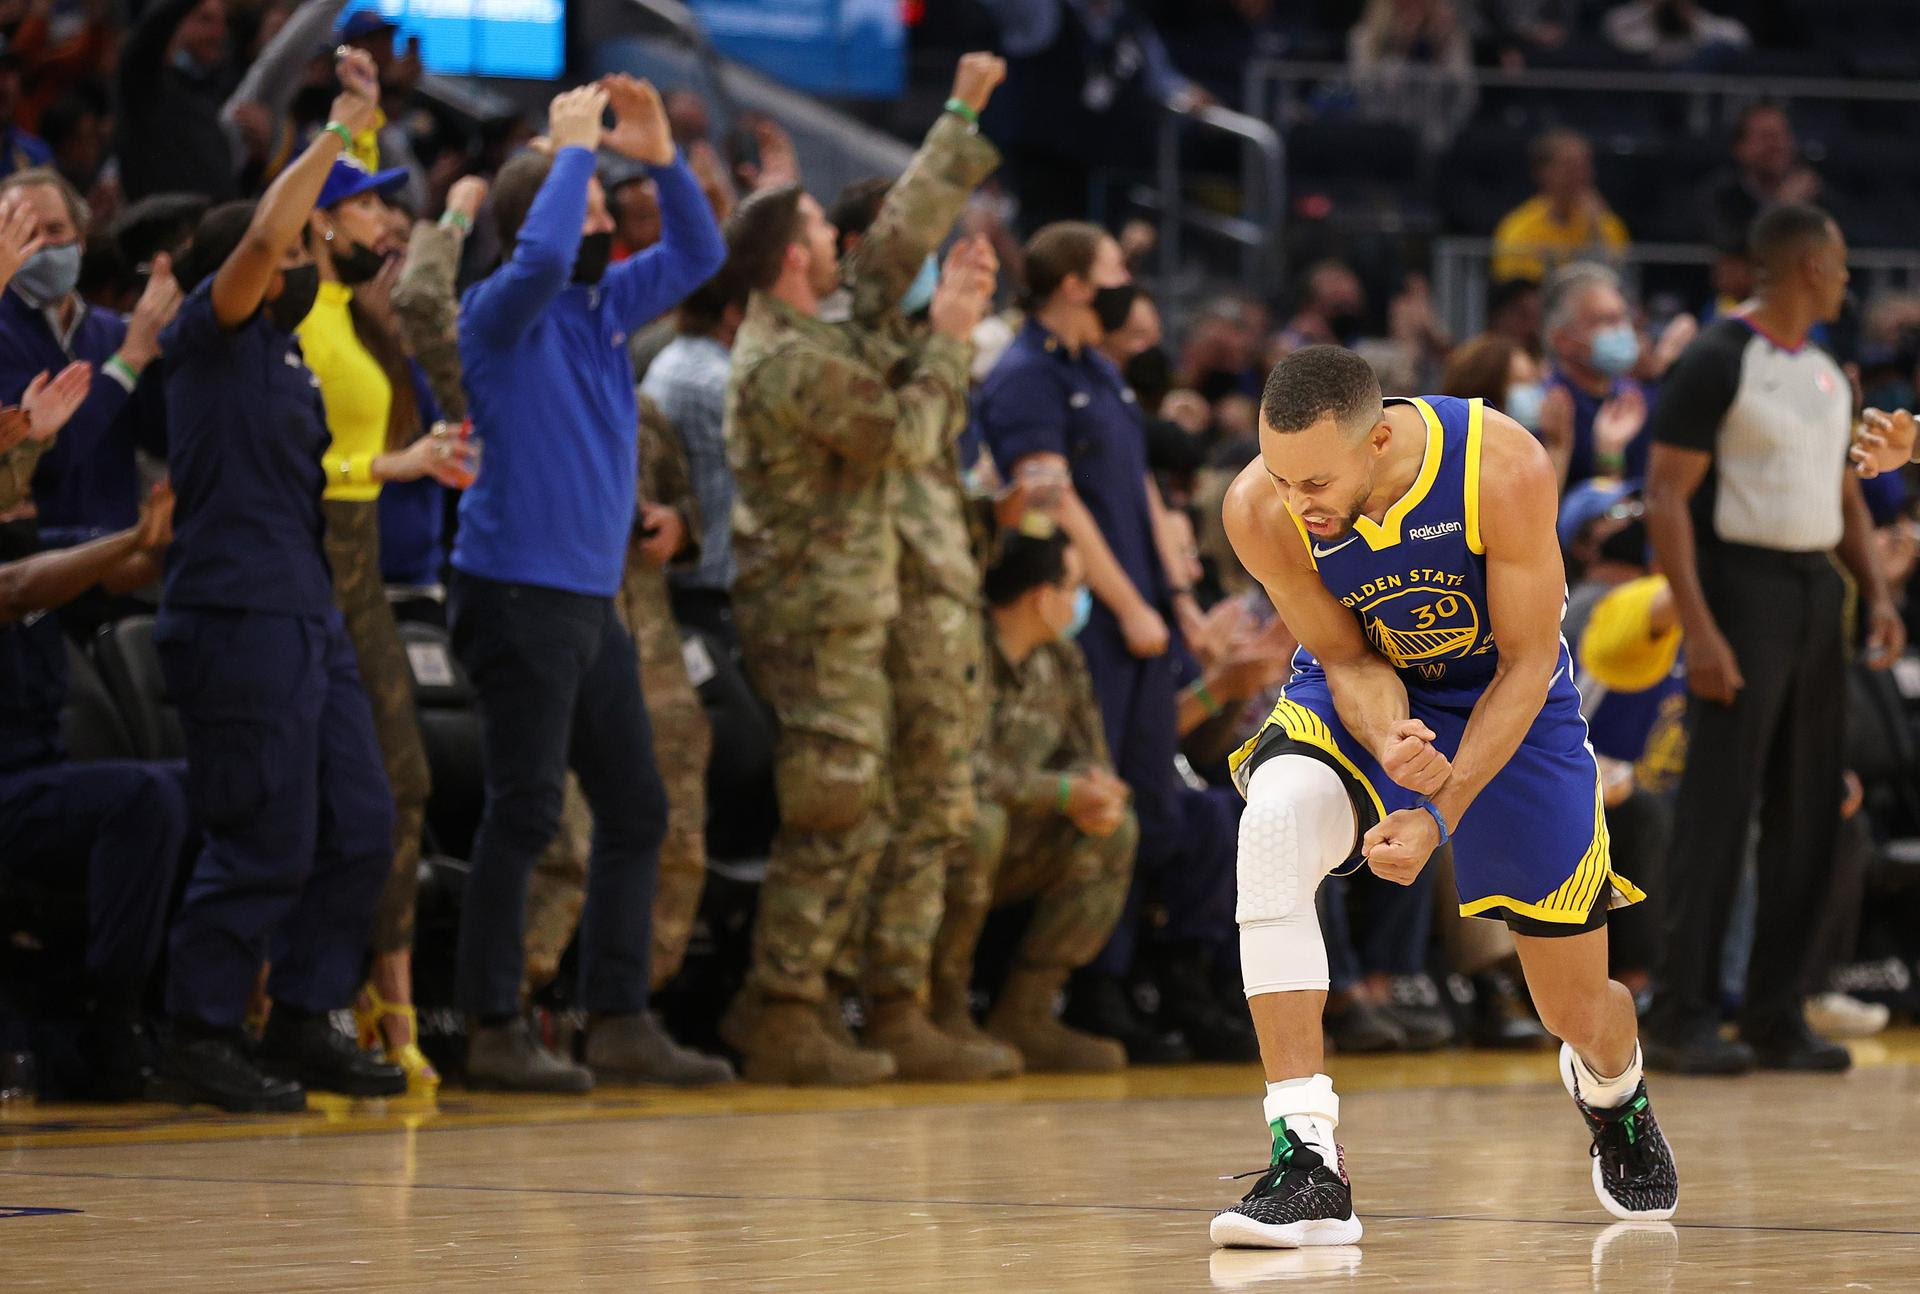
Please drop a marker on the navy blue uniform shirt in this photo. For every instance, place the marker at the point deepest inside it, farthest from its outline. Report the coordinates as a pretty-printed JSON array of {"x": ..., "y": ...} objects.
[
  {"x": 1041, "y": 398},
  {"x": 246, "y": 431}
]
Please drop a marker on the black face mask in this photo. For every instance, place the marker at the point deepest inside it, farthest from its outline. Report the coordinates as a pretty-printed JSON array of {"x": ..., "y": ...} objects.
[
  {"x": 1150, "y": 374},
  {"x": 298, "y": 288},
  {"x": 596, "y": 252},
  {"x": 1111, "y": 306},
  {"x": 357, "y": 263}
]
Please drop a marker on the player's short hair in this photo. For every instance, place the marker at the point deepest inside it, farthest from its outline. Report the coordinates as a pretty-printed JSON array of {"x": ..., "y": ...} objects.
[
  {"x": 761, "y": 229},
  {"x": 1024, "y": 561},
  {"x": 1784, "y": 231},
  {"x": 1316, "y": 381}
]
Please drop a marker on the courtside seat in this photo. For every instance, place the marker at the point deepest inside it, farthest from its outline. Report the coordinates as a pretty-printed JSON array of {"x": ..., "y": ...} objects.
[
  {"x": 90, "y": 720},
  {"x": 450, "y": 730},
  {"x": 131, "y": 670}
]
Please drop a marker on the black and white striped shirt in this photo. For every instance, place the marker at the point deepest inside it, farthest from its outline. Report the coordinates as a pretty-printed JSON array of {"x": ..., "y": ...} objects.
[{"x": 1777, "y": 421}]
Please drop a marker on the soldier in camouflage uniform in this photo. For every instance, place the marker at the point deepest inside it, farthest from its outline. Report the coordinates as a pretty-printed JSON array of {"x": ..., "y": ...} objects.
[
  {"x": 821, "y": 418},
  {"x": 682, "y": 735},
  {"x": 1053, "y": 826},
  {"x": 933, "y": 661}
]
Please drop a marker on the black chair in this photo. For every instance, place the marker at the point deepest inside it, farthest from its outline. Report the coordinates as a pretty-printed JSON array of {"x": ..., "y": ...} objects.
[
  {"x": 450, "y": 731},
  {"x": 131, "y": 670},
  {"x": 90, "y": 720}
]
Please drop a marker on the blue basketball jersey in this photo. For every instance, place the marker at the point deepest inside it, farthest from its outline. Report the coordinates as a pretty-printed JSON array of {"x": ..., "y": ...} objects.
[{"x": 1417, "y": 579}]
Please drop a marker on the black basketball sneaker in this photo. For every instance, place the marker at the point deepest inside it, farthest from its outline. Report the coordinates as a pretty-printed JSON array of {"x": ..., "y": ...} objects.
[
  {"x": 1299, "y": 1200},
  {"x": 1633, "y": 1172}
]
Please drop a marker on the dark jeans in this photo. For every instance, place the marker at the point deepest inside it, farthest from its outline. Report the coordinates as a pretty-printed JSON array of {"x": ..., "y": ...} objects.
[
  {"x": 707, "y": 610},
  {"x": 112, "y": 832},
  {"x": 284, "y": 772},
  {"x": 1776, "y": 750},
  {"x": 558, "y": 686}
]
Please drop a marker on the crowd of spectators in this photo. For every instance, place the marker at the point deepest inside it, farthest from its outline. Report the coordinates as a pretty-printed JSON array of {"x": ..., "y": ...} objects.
[{"x": 855, "y": 537}]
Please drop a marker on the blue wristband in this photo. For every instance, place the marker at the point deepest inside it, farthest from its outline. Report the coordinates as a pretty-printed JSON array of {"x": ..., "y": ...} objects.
[{"x": 1446, "y": 832}]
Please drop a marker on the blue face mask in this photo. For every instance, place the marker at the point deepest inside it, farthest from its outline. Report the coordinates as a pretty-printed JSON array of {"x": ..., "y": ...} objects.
[
  {"x": 1524, "y": 402},
  {"x": 49, "y": 274},
  {"x": 1082, "y": 611},
  {"x": 1615, "y": 350},
  {"x": 920, "y": 292}
]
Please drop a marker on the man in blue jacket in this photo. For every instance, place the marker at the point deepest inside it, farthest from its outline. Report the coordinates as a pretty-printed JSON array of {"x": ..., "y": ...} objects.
[
  {"x": 538, "y": 560},
  {"x": 87, "y": 485}
]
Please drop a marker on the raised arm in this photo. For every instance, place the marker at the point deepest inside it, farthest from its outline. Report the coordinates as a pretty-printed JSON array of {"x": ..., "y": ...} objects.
[
  {"x": 424, "y": 301},
  {"x": 1367, "y": 693},
  {"x": 274, "y": 77},
  {"x": 241, "y": 281},
  {"x": 644, "y": 287},
  {"x": 927, "y": 198}
]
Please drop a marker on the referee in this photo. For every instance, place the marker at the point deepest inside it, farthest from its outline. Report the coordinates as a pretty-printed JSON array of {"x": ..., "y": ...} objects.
[{"x": 1749, "y": 500}]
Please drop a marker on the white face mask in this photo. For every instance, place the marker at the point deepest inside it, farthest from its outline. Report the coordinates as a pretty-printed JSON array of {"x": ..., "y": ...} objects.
[{"x": 1524, "y": 403}]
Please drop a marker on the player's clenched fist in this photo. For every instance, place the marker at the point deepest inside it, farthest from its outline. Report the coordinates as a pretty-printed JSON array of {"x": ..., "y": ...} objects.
[
  {"x": 1399, "y": 847},
  {"x": 1413, "y": 761}
]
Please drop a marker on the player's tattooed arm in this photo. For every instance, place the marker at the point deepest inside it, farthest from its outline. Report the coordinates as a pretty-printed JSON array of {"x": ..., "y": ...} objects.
[
  {"x": 1526, "y": 590},
  {"x": 1370, "y": 698}
]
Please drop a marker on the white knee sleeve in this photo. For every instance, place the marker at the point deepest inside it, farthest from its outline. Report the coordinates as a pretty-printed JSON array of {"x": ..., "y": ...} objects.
[{"x": 1298, "y": 826}]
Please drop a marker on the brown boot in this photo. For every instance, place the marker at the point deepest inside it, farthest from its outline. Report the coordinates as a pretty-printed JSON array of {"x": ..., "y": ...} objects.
[
  {"x": 952, "y": 1015},
  {"x": 902, "y": 1028},
  {"x": 742, "y": 1015},
  {"x": 1024, "y": 1017},
  {"x": 786, "y": 1043}
]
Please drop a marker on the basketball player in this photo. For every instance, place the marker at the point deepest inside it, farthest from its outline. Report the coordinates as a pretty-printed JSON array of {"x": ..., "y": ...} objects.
[{"x": 1410, "y": 546}]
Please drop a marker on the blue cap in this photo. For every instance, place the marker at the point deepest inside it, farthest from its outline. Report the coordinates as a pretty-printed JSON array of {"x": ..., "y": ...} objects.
[
  {"x": 349, "y": 179},
  {"x": 1588, "y": 501},
  {"x": 363, "y": 22}
]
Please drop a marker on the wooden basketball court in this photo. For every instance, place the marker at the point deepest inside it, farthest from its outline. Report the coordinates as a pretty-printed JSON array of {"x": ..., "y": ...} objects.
[{"x": 1470, "y": 1173}]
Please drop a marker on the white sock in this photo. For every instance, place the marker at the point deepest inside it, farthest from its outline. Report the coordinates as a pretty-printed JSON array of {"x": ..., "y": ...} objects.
[
  {"x": 1606, "y": 1093},
  {"x": 1310, "y": 1109}
]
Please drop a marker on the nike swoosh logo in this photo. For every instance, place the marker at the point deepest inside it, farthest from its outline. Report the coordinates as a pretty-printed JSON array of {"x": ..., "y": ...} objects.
[{"x": 1318, "y": 551}]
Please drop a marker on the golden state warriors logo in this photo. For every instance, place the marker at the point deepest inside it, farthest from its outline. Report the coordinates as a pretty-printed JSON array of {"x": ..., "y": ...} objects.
[{"x": 1421, "y": 627}]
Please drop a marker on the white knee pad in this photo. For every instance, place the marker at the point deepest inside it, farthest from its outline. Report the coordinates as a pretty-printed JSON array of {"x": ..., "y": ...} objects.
[{"x": 1298, "y": 826}]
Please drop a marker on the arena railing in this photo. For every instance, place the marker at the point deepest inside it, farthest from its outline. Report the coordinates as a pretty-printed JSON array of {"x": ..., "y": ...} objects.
[
  {"x": 1273, "y": 87},
  {"x": 1460, "y": 274}
]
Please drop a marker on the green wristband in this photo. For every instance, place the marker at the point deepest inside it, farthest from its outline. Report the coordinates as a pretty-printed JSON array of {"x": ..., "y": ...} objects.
[
  {"x": 458, "y": 219},
  {"x": 963, "y": 110},
  {"x": 125, "y": 370},
  {"x": 335, "y": 128},
  {"x": 1206, "y": 699},
  {"x": 1066, "y": 792}
]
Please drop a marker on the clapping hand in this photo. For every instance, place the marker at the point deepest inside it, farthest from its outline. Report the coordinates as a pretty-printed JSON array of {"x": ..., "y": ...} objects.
[
  {"x": 1882, "y": 442},
  {"x": 49, "y": 403}
]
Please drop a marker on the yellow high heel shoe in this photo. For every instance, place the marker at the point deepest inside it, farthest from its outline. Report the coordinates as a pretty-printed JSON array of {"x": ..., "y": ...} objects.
[{"x": 368, "y": 1014}]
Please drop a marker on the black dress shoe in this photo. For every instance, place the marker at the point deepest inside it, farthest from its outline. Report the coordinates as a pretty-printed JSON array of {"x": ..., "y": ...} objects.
[
  {"x": 1798, "y": 1049},
  {"x": 213, "y": 1066},
  {"x": 1188, "y": 1003},
  {"x": 1702, "y": 1051},
  {"x": 1414, "y": 1004},
  {"x": 308, "y": 1049},
  {"x": 1361, "y": 1027},
  {"x": 1099, "y": 1004},
  {"x": 1499, "y": 1021}
]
